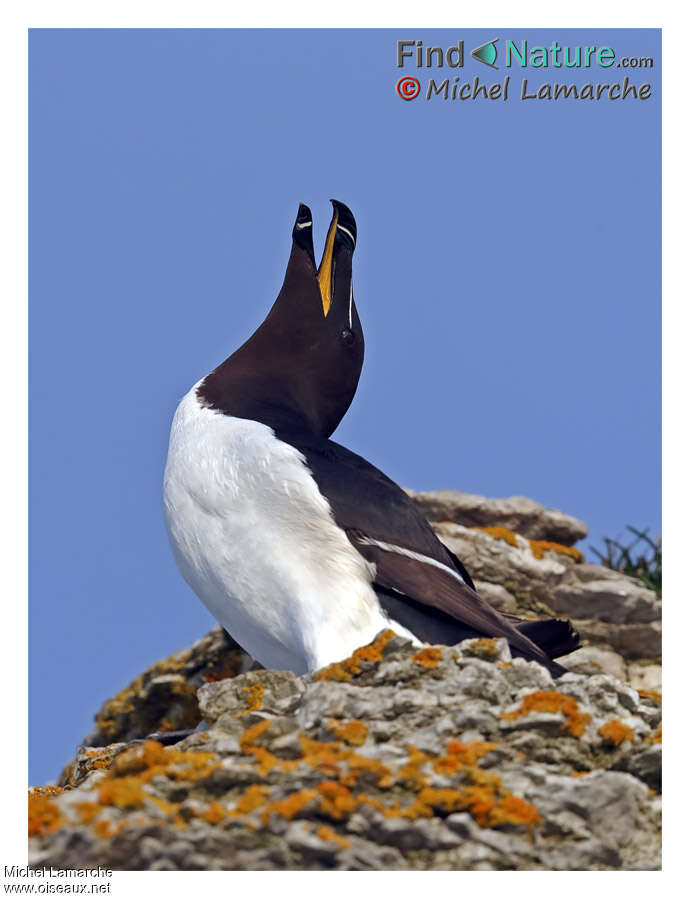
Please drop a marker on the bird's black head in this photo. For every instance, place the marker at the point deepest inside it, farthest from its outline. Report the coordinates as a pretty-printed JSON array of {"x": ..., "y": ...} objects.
[{"x": 300, "y": 368}]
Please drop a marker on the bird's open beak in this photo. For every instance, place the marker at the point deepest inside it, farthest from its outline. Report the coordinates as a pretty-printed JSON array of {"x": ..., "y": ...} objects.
[
  {"x": 325, "y": 273},
  {"x": 342, "y": 237}
]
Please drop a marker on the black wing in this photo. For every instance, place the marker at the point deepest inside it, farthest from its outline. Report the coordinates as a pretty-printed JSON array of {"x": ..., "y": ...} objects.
[{"x": 412, "y": 565}]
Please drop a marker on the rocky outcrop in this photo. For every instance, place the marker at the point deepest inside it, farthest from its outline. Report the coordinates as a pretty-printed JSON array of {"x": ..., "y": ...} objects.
[
  {"x": 532, "y": 569},
  {"x": 518, "y": 513},
  {"x": 398, "y": 758},
  {"x": 164, "y": 697}
]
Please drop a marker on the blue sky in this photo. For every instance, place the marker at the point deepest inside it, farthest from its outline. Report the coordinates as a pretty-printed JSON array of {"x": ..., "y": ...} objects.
[{"x": 507, "y": 276}]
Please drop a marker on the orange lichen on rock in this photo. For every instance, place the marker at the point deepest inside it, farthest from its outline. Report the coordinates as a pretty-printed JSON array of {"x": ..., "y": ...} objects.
[
  {"x": 485, "y": 645},
  {"x": 419, "y": 808},
  {"x": 513, "y": 810},
  {"x": 539, "y": 547},
  {"x": 470, "y": 752},
  {"x": 88, "y": 811},
  {"x": 352, "y": 732},
  {"x": 325, "y": 757},
  {"x": 481, "y": 792},
  {"x": 498, "y": 532},
  {"x": 100, "y": 758},
  {"x": 138, "y": 765},
  {"x": 290, "y": 806},
  {"x": 44, "y": 814},
  {"x": 336, "y": 800},
  {"x": 254, "y": 699},
  {"x": 615, "y": 732},
  {"x": 252, "y": 798},
  {"x": 339, "y": 762},
  {"x": 89, "y": 760},
  {"x": 554, "y": 702},
  {"x": 185, "y": 765},
  {"x": 478, "y": 800},
  {"x": 168, "y": 808},
  {"x": 428, "y": 657},
  {"x": 459, "y": 755},
  {"x": 348, "y": 779},
  {"x": 448, "y": 765},
  {"x": 122, "y": 792},
  {"x": 120, "y": 705},
  {"x": 102, "y": 828},
  {"x": 361, "y": 767},
  {"x": 333, "y": 758},
  {"x": 485, "y": 800},
  {"x": 149, "y": 759},
  {"x": 213, "y": 814},
  {"x": 655, "y": 737},
  {"x": 101, "y": 764},
  {"x": 47, "y": 790},
  {"x": 329, "y": 835},
  {"x": 133, "y": 703},
  {"x": 410, "y": 773},
  {"x": 654, "y": 695},
  {"x": 252, "y": 734},
  {"x": 488, "y": 804},
  {"x": 444, "y": 800},
  {"x": 345, "y": 670},
  {"x": 266, "y": 759},
  {"x": 139, "y": 758}
]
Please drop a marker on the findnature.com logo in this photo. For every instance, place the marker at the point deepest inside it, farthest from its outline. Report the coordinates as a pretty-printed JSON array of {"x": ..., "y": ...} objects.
[{"x": 517, "y": 54}]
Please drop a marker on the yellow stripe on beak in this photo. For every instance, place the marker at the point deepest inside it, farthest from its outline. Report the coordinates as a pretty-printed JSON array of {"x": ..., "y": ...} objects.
[{"x": 324, "y": 273}]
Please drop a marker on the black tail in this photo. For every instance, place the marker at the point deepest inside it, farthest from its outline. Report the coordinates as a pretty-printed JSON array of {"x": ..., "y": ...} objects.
[
  {"x": 553, "y": 637},
  {"x": 556, "y": 637}
]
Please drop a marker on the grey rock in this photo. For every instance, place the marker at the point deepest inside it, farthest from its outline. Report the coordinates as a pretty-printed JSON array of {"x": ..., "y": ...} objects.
[
  {"x": 371, "y": 857},
  {"x": 606, "y": 694},
  {"x": 632, "y": 641},
  {"x": 582, "y": 855},
  {"x": 508, "y": 847},
  {"x": 301, "y": 837},
  {"x": 643, "y": 676},
  {"x": 390, "y": 768},
  {"x": 593, "y": 660},
  {"x": 274, "y": 692},
  {"x": 644, "y": 762},
  {"x": 163, "y": 864},
  {"x": 518, "y": 513},
  {"x": 482, "y": 680},
  {"x": 497, "y": 595},
  {"x": 610, "y": 610},
  {"x": 546, "y": 723},
  {"x": 408, "y": 836},
  {"x": 615, "y": 600},
  {"x": 587, "y": 571},
  {"x": 351, "y": 776},
  {"x": 636, "y": 641},
  {"x": 521, "y": 674}
]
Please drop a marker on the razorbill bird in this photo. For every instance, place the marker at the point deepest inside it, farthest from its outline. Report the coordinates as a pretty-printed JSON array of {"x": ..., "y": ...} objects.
[{"x": 301, "y": 549}]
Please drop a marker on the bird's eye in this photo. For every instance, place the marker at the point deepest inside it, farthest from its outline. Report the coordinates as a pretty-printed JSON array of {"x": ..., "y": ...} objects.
[{"x": 347, "y": 337}]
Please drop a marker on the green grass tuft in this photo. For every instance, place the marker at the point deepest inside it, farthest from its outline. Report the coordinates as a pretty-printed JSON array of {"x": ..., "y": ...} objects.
[{"x": 643, "y": 562}]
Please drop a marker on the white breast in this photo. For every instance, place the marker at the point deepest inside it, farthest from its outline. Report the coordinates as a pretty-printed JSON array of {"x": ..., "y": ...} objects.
[{"x": 256, "y": 541}]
